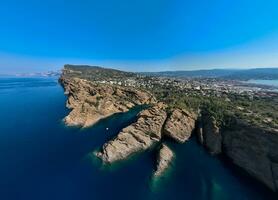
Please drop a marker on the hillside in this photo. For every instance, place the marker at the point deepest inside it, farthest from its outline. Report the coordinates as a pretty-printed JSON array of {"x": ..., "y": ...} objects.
[{"x": 95, "y": 73}]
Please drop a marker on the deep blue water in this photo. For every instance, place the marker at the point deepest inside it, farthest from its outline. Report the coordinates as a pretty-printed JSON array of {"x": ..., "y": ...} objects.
[{"x": 41, "y": 159}]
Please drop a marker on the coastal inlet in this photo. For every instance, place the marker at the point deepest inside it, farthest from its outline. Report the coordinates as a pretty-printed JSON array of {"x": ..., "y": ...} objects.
[
  {"x": 57, "y": 162},
  {"x": 91, "y": 101}
]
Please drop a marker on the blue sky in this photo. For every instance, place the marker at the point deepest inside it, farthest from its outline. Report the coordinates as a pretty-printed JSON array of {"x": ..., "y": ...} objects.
[{"x": 138, "y": 35}]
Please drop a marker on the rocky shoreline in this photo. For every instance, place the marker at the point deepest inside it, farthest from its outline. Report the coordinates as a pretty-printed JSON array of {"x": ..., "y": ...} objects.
[
  {"x": 137, "y": 137},
  {"x": 252, "y": 148},
  {"x": 164, "y": 160},
  {"x": 89, "y": 102}
]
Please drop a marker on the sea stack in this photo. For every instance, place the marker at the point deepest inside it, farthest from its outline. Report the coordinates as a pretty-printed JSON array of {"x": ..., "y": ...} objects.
[{"x": 164, "y": 160}]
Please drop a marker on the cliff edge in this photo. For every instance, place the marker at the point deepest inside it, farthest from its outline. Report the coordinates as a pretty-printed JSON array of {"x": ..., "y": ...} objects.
[{"x": 90, "y": 101}]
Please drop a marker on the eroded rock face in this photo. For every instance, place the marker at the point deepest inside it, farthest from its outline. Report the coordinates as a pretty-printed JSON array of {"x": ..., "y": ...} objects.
[
  {"x": 199, "y": 130},
  {"x": 89, "y": 102},
  {"x": 255, "y": 150},
  {"x": 209, "y": 134},
  {"x": 164, "y": 160},
  {"x": 252, "y": 148},
  {"x": 179, "y": 125},
  {"x": 137, "y": 137}
]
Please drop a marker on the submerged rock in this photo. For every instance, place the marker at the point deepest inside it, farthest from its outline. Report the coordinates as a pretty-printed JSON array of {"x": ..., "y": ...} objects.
[
  {"x": 90, "y": 101},
  {"x": 179, "y": 125},
  {"x": 137, "y": 137},
  {"x": 164, "y": 159}
]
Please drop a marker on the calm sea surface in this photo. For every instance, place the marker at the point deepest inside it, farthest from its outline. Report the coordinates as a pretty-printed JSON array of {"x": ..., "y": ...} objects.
[
  {"x": 41, "y": 159},
  {"x": 264, "y": 82}
]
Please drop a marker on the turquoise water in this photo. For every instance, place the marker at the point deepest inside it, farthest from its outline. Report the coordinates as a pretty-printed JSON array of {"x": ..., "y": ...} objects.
[
  {"x": 264, "y": 82},
  {"x": 41, "y": 159}
]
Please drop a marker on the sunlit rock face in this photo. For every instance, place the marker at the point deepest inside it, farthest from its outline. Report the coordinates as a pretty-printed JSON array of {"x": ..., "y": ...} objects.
[
  {"x": 89, "y": 102},
  {"x": 137, "y": 137},
  {"x": 250, "y": 147},
  {"x": 210, "y": 134},
  {"x": 164, "y": 160},
  {"x": 179, "y": 125}
]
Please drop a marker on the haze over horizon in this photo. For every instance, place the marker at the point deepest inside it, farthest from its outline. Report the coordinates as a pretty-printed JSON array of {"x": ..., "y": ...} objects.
[{"x": 146, "y": 35}]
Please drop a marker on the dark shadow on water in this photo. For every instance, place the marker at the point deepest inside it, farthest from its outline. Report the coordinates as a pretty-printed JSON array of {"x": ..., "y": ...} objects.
[
  {"x": 198, "y": 175},
  {"x": 247, "y": 179}
]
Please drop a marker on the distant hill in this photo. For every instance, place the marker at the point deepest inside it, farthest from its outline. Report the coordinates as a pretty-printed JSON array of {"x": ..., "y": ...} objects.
[
  {"x": 259, "y": 73},
  {"x": 194, "y": 73},
  {"x": 238, "y": 74},
  {"x": 96, "y": 72}
]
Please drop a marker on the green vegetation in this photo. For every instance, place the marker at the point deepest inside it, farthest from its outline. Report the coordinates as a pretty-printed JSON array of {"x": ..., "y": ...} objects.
[
  {"x": 95, "y": 73},
  {"x": 257, "y": 111},
  {"x": 260, "y": 111}
]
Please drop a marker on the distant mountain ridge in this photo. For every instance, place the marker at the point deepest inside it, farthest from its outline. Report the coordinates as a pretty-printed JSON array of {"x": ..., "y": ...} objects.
[
  {"x": 98, "y": 72},
  {"x": 239, "y": 74}
]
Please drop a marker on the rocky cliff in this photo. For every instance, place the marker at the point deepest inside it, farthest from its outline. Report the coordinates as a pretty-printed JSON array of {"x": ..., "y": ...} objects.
[
  {"x": 252, "y": 148},
  {"x": 179, "y": 125},
  {"x": 255, "y": 150},
  {"x": 90, "y": 101},
  {"x": 209, "y": 133},
  {"x": 137, "y": 137}
]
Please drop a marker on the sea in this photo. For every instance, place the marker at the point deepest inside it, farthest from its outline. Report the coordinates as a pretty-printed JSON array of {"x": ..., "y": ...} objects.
[
  {"x": 42, "y": 159},
  {"x": 264, "y": 82}
]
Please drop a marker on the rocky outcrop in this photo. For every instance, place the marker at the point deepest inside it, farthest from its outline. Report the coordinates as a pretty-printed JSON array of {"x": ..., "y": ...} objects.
[
  {"x": 137, "y": 137},
  {"x": 90, "y": 101},
  {"x": 179, "y": 125},
  {"x": 209, "y": 134},
  {"x": 164, "y": 159},
  {"x": 199, "y": 130},
  {"x": 253, "y": 149}
]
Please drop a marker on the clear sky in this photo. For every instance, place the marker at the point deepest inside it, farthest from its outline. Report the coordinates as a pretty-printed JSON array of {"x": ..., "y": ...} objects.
[{"x": 138, "y": 35}]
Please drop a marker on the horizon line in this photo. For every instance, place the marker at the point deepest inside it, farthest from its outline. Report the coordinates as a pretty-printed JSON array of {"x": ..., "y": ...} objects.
[{"x": 117, "y": 68}]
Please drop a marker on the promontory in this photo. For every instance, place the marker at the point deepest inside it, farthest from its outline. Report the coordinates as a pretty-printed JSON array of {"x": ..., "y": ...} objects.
[{"x": 242, "y": 126}]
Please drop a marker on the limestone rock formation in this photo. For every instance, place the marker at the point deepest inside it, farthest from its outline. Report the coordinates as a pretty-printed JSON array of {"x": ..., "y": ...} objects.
[
  {"x": 137, "y": 137},
  {"x": 254, "y": 150},
  {"x": 209, "y": 134},
  {"x": 89, "y": 101},
  {"x": 199, "y": 130},
  {"x": 179, "y": 125},
  {"x": 164, "y": 159}
]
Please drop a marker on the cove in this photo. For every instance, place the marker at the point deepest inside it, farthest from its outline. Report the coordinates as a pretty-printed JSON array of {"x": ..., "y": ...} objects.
[{"x": 40, "y": 158}]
